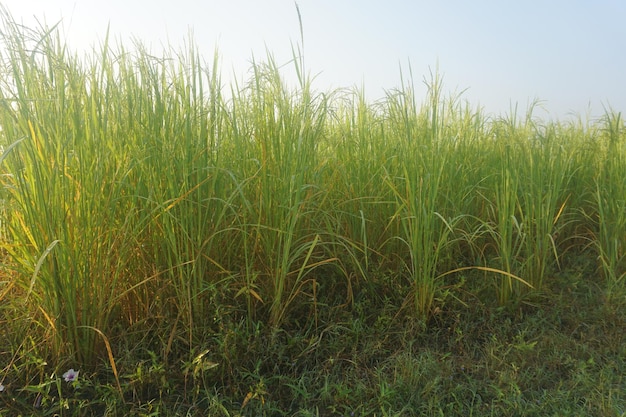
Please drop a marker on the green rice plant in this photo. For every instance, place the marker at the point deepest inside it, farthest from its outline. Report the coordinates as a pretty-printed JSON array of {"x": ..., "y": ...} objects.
[
  {"x": 356, "y": 161},
  {"x": 547, "y": 171},
  {"x": 417, "y": 189},
  {"x": 531, "y": 195},
  {"x": 193, "y": 202},
  {"x": 610, "y": 197},
  {"x": 425, "y": 232},
  {"x": 586, "y": 152},
  {"x": 115, "y": 200},
  {"x": 462, "y": 133},
  {"x": 508, "y": 235},
  {"x": 285, "y": 132},
  {"x": 68, "y": 221}
]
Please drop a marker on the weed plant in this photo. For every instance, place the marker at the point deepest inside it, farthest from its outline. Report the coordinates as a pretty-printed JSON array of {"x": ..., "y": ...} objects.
[{"x": 265, "y": 248}]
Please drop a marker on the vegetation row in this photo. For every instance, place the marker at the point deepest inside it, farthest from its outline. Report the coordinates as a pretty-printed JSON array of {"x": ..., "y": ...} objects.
[{"x": 148, "y": 211}]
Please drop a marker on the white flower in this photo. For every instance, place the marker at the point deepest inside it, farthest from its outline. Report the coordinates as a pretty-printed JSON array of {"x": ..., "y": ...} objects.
[
  {"x": 71, "y": 375},
  {"x": 1, "y": 387}
]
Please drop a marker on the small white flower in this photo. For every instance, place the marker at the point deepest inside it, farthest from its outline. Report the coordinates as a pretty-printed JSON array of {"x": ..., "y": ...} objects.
[
  {"x": 71, "y": 375},
  {"x": 1, "y": 387}
]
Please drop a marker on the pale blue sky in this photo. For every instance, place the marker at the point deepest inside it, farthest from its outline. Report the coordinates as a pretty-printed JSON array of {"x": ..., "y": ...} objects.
[{"x": 568, "y": 53}]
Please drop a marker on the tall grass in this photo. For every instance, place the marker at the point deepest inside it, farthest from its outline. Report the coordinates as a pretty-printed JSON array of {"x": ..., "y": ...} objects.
[
  {"x": 417, "y": 186},
  {"x": 285, "y": 133},
  {"x": 70, "y": 223},
  {"x": 610, "y": 197},
  {"x": 507, "y": 234},
  {"x": 544, "y": 199},
  {"x": 141, "y": 196}
]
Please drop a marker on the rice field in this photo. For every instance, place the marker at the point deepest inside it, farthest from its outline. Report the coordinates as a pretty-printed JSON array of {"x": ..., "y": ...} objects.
[{"x": 186, "y": 247}]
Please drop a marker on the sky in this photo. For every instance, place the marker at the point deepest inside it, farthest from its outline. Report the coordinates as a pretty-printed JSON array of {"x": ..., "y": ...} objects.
[{"x": 568, "y": 54}]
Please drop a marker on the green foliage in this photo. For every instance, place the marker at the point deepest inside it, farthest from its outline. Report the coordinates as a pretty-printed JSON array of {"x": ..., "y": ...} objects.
[
  {"x": 274, "y": 250},
  {"x": 610, "y": 197}
]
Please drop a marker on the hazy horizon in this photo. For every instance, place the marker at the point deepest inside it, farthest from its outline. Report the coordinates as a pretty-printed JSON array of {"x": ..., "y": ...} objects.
[{"x": 567, "y": 55}]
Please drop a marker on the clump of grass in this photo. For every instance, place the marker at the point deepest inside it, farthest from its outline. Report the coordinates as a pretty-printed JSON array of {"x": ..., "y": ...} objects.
[
  {"x": 544, "y": 199},
  {"x": 65, "y": 218},
  {"x": 610, "y": 240}
]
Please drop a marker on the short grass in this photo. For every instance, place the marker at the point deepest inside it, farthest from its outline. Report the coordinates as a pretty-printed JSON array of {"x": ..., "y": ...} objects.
[{"x": 266, "y": 249}]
